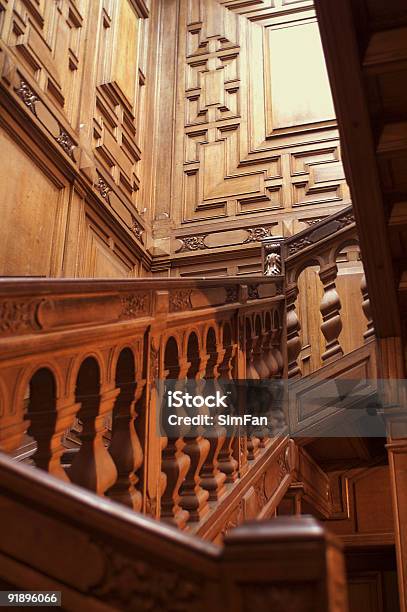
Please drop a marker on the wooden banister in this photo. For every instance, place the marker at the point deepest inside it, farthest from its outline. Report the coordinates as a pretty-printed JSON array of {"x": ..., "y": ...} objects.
[
  {"x": 103, "y": 556},
  {"x": 79, "y": 361},
  {"x": 310, "y": 339}
]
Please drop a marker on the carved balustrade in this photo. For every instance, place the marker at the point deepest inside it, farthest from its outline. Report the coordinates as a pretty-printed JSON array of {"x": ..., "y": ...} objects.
[
  {"x": 321, "y": 247},
  {"x": 116, "y": 559},
  {"x": 80, "y": 362}
]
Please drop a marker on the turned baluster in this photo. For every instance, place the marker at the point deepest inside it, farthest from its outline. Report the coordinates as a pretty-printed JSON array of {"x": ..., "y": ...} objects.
[
  {"x": 259, "y": 352},
  {"x": 49, "y": 419},
  {"x": 125, "y": 448},
  {"x": 330, "y": 308},
  {"x": 251, "y": 371},
  {"x": 275, "y": 343},
  {"x": 227, "y": 463},
  {"x": 193, "y": 497},
  {"x": 293, "y": 333},
  {"x": 369, "y": 333},
  {"x": 268, "y": 349},
  {"x": 174, "y": 462},
  {"x": 253, "y": 443},
  {"x": 92, "y": 466},
  {"x": 212, "y": 479}
]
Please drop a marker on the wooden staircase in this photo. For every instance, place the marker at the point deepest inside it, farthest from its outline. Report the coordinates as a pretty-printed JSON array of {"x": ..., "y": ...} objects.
[{"x": 78, "y": 398}]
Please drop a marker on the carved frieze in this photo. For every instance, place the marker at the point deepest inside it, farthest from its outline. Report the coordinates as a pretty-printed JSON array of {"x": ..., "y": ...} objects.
[
  {"x": 134, "y": 305},
  {"x": 180, "y": 300},
  {"x": 19, "y": 316},
  {"x": 134, "y": 584}
]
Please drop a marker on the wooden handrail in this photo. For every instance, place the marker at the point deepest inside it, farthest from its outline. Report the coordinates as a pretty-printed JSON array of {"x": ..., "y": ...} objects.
[{"x": 103, "y": 556}]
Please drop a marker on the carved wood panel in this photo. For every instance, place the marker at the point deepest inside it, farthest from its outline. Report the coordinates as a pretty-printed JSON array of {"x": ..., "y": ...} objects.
[{"x": 256, "y": 131}]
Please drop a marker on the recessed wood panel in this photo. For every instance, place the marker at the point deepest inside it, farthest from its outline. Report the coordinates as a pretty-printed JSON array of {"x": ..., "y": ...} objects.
[
  {"x": 298, "y": 81},
  {"x": 30, "y": 207}
]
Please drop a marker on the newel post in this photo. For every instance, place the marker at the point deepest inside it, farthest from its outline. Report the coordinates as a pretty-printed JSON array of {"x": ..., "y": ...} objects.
[{"x": 289, "y": 563}]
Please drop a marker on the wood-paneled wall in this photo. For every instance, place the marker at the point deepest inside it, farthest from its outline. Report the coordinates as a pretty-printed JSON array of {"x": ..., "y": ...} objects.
[
  {"x": 76, "y": 77},
  {"x": 256, "y": 149},
  {"x": 160, "y": 137}
]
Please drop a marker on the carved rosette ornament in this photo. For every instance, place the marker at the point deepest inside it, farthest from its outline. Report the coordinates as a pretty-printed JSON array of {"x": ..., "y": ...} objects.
[
  {"x": 253, "y": 291},
  {"x": 103, "y": 188},
  {"x": 137, "y": 229},
  {"x": 193, "y": 243},
  {"x": 257, "y": 234},
  {"x": 346, "y": 219},
  {"x": 66, "y": 143},
  {"x": 19, "y": 316},
  {"x": 134, "y": 305},
  {"x": 180, "y": 300},
  {"x": 232, "y": 294},
  {"x": 134, "y": 584},
  {"x": 27, "y": 96},
  {"x": 299, "y": 244}
]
